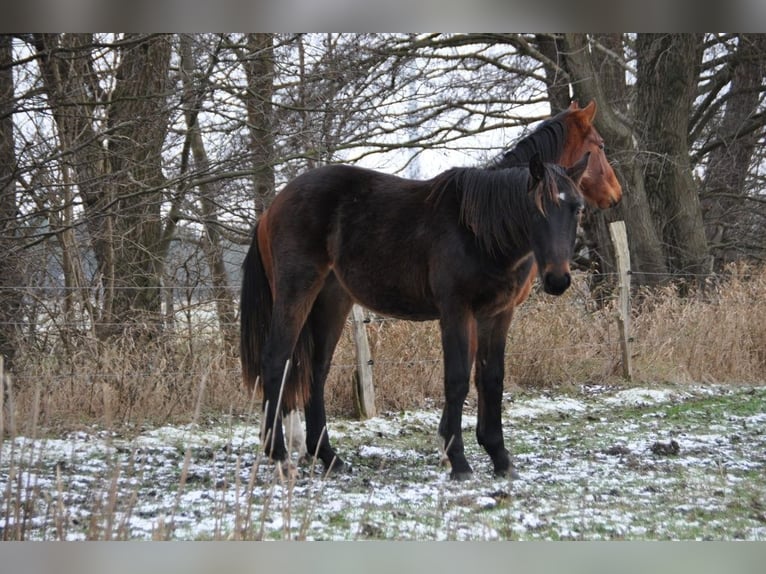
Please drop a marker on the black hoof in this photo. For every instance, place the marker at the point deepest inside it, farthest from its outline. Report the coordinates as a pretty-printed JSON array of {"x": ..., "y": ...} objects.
[
  {"x": 507, "y": 473},
  {"x": 461, "y": 475},
  {"x": 503, "y": 464}
]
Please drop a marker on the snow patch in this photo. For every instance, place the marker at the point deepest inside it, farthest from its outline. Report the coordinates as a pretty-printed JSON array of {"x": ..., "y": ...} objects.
[
  {"x": 643, "y": 397},
  {"x": 570, "y": 487},
  {"x": 542, "y": 405}
]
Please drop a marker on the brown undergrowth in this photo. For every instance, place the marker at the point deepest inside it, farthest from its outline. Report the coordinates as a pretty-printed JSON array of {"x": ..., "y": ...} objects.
[{"x": 716, "y": 334}]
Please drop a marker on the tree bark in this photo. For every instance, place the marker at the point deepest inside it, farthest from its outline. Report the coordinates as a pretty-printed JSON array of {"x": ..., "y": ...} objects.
[
  {"x": 667, "y": 72},
  {"x": 727, "y": 214},
  {"x": 10, "y": 272},
  {"x": 646, "y": 250},
  {"x": 556, "y": 76},
  {"x": 612, "y": 78},
  {"x": 68, "y": 80},
  {"x": 259, "y": 71},
  {"x": 118, "y": 170},
  {"x": 138, "y": 116}
]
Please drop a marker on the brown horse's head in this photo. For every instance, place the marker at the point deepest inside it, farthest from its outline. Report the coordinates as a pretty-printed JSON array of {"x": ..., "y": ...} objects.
[{"x": 599, "y": 183}]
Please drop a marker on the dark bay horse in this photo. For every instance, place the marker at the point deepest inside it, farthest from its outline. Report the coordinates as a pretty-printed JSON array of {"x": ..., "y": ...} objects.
[{"x": 458, "y": 248}]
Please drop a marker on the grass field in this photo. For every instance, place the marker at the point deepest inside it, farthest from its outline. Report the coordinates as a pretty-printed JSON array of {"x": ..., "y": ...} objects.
[
  {"x": 117, "y": 440},
  {"x": 685, "y": 462}
]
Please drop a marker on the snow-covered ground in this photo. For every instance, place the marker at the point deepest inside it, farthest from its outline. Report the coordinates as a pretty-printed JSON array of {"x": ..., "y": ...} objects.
[{"x": 600, "y": 463}]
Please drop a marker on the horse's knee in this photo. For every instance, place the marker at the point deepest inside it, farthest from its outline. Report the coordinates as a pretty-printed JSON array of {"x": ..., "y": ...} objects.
[
  {"x": 490, "y": 436},
  {"x": 456, "y": 389}
]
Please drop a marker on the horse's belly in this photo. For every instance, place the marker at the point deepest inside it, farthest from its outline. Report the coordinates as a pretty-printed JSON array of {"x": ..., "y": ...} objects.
[{"x": 404, "y": 296}]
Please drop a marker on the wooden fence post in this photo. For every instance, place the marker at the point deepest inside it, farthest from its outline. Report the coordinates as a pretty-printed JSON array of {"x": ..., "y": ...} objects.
[
  {"x": 622, "y": 253},
  {"x": 2, "y": 400},
  {"x": 364, "y": 391},
  {"x": 7, "y": 405}
]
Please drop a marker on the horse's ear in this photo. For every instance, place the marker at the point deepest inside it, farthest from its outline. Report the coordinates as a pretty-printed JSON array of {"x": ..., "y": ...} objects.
[
  {"x": 589, "y": 111},
  {"x": 536, "y": 169},
  {"x": 576, "y": 172}
]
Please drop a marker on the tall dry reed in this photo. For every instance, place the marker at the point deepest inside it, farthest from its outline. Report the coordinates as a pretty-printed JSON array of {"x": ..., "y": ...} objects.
[{"x": 717, "y": 333}]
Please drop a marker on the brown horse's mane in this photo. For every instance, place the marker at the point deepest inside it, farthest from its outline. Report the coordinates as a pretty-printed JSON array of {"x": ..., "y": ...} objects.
[
  {"x": 497, "y": 205},
  {"x": 547, "y": 139}
]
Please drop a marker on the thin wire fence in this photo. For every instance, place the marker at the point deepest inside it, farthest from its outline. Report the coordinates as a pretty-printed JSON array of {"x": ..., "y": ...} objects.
[{"x": 717, "y": 332}]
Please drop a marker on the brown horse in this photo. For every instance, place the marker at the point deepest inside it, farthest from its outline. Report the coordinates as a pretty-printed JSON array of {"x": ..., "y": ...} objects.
[
  {"x": 564, "y": 139},
  {"x": 458, "y": 248}
]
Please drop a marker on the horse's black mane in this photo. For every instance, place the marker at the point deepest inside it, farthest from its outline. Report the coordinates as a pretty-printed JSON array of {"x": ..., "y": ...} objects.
[
  {"x": 496, "y": 204},
  {"x": 547, "y": 140}
]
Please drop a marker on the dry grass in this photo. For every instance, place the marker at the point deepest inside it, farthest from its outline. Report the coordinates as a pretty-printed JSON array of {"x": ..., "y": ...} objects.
[
  {"x": 716, "y": 334},
  {"x": 124, "y": 382}
]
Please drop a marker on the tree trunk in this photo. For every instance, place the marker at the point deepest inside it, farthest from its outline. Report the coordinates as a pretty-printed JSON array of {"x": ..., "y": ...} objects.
[
  {"x": 209, "y": 192},
  {"x": 667, "y": 71},
  {"x": 119, "y": 173},
  {"x": 615, "y": 91},
  {"x": 138, "y": 116},
  {"x": 646, "y": 252},
  {"x": 259, "y": 70},
  {"x": 68, "y": 80},
  {"x": 727, "y": 214},
  {"x": 10, "y": 273},
  {"x": 556, "y": 77}
]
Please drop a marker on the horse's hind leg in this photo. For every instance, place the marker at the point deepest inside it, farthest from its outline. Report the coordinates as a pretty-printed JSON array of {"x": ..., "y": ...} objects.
[
  {"x": 326, "y": 321},
  {"x": 489, "y": 375},
  {"x": 294, "y": 299}
]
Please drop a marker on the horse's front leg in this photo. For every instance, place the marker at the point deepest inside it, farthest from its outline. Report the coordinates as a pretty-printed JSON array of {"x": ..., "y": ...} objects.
[
  {"x": 456, "y": 332},
  {"x": 490, "y": 370}
]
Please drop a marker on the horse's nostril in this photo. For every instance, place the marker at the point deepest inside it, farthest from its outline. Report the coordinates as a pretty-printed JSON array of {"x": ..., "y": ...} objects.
[{"x": 554, "y": 284}]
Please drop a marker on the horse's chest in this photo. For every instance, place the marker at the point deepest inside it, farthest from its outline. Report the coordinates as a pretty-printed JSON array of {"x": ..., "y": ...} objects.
[{"x": 503, "y": 290}]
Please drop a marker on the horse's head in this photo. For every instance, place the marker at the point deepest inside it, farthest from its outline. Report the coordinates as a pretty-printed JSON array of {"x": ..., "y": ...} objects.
[
  {"x": 599, "y": 183},
  {"x": 558, "y": 208}
]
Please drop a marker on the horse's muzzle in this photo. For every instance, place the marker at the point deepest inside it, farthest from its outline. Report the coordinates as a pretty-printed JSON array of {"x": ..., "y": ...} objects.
[{"x": 556, "y": 283}]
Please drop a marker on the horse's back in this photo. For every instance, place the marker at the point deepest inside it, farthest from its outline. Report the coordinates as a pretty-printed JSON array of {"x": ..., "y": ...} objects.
[
  {"x": 313, "y": 199},
  {"x": 337, "y": 181},
  {"x": 374, "y": 230}
]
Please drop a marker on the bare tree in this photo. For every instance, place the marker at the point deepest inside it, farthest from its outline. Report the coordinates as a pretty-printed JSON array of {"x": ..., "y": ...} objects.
[
  {"x": 194, "y": 89},
  {"x": 660, "y": 96},
  {"x": 136, "y": 155},
  {"x": 10, "y": 273},
  {"x": 258, "y": 62},
  {"x": 666, "y": 84},
  {"x": 733, "y": 213},
  {"x": 117, "y": 162}
]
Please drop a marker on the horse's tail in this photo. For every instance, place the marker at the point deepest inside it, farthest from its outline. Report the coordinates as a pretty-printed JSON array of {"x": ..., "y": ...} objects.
[{"x": 255, "y": 304}]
